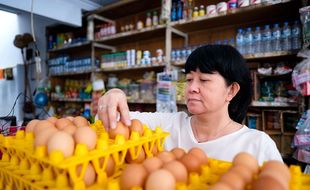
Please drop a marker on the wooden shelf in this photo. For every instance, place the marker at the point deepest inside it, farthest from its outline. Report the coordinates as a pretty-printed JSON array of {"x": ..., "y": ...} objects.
[
  {"x": 71, "y": 100},
  {"x": 72, "y": 73},
  {"x": 71, "y": 46},
  {"x": 128, "y": 68},
  {"x": 241, "y": 15},
  {"x": 273, "y": 104},
  {"x": 273, "y": 132},
  {"x": 140, "y": 102},
  {"x": 135, "y": 35}
]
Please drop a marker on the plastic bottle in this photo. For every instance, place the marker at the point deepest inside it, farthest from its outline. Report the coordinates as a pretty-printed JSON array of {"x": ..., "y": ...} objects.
[
  {"x": 202, "y": 10},
  {"x": 257, "y": 40},
  {"x": 240, "y": 41},
  {"x": 155, "y": 19},
  {"x": 148, "y": 22},
  {"x": 190, "y": 9},
  {"x": 179, "y": 10},
  {"x": 173, "y": 12},
  {"x": 195, "y": 12},
  {"x": 296, "y": 36},
  {"x": 276, "y": 38},
  {"x": 286, "y": 37},
  {"x": 266, "y": 39},
  {"x": 248, "y": 41}
]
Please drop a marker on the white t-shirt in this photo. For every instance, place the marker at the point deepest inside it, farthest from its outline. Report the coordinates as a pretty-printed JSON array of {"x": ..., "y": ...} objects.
[{"x": 255, "y": 142}]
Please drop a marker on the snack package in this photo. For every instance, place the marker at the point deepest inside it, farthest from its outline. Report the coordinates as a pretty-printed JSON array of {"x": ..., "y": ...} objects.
[{"x": 301, "y": 74}]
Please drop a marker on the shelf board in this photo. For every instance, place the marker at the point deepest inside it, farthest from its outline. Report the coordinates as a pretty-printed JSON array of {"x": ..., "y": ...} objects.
[
  {"x": 289, "y": 133},
  {"x": 140, "y": 102},
  {"x": 128, "y": 68},
  {"x": 135, "y": 35},
  {"x": 72, "y": 73},
  {"x": 272, "y": 104},
  {"x": 72, "y": 46},
  {"x": 244, "y": 15},
  {"x": 273, "y": 132},
  {"x": 71, "y": 100}
]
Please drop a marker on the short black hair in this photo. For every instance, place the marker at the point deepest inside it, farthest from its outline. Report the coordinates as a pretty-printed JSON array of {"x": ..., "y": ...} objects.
[{"x": 229, "y": 63}]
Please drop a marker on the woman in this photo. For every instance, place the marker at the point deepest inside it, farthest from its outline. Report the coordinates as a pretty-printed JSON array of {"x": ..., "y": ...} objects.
[{"x": 218, "y": 92}]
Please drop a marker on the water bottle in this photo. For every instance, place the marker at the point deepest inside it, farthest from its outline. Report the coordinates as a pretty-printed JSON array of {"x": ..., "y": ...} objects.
[
  {"x": 257, "y": 40},
  {"x": 276, "y": 38},
  {"x": 248, "y": 39},
  {"x": 286, "y": 37},
  {"x": 296, "y": 36},
  {"x": 266, "y": 39},
  {"x": 240, "y": 41}
]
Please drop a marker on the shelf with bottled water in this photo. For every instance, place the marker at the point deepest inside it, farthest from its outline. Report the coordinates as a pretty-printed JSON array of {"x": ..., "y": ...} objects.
[
  {"x": 68, "y": 46},
  {"x": 224, "y": 13},
  {"x": 273, "y": 104},
  {"x": 70, "y": 100}
]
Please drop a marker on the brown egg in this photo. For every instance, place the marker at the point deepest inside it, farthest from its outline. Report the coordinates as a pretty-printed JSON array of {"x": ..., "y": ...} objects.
[
  {"x": 110, "y": 166},
  {"x": 42, "y": 136},
  {"x": 246, "y": 159},
  {"x": 221, "y": 186},
  {"x": 87, "y": 136},
  {"x": 178, "y": 152},
  {"x": 160, "y": 179},
  {"x": 61, "y": 141},
  {"x": 137, "y": 126},
  {"x": 155, "y": 150},
  {"x": 89, "y": 176},
  {"x": 52, "y": 120},
  {"x": 134, "y": 175},
  {"x": 42, "y": 125},
  {"x": 178, "y": 170},
  {"x": 120, "y": 129},
  {"x": 80, "y": 121},
  {"x": 278, "y": 167},
  {"x": 139, "y": 159},
  {"x": 30, "y": 126},
  {"x": 191, "y": 163},
  {"x": 70, "y": 129},
  {"x": 234, "y": 180},
  {"x": 280, "y": 177},
  {"x": 152, "y": 164},
  {"x": 266, "y": 183},
  {"x": 70, "y": 118},
  {"x": 199, "y": 153},
  {"x": 62, "y": 123},
  {"x": 166, "y": 156},
  {"x": 243, "y": 171}
]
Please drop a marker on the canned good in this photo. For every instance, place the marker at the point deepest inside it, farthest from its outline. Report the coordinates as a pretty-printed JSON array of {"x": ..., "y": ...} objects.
[
  {"x": 255, "y": 2},
  {"x": 211, "y": 9},
  {"x": 221, "y": 7},
  {"x": 243, "y": 3}
]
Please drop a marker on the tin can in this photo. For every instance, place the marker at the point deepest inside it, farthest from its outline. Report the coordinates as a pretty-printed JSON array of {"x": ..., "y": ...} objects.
[
  {"x": 243, "y": 3},
  {"x": 255, "y": 2},
  {"x": 221, "y": 7},
  {"x": 211, "y": 10}
]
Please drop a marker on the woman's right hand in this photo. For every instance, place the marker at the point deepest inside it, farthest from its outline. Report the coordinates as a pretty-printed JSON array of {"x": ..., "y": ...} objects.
[{"x": 111, "y": 105}]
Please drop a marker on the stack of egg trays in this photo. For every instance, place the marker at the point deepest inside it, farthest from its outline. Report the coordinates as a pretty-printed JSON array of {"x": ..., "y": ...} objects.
[{"x": 24, "y": 167}]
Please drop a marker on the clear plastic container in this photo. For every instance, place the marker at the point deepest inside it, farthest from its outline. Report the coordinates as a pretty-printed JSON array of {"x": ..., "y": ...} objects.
[{"x": 134, "y": 91}]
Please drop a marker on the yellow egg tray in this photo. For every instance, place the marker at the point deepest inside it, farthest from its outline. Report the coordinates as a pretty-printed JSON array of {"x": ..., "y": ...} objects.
[{"x": 24, "y": 167}]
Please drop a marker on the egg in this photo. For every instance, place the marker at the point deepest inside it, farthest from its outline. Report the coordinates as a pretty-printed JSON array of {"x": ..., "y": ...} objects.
[
  {"x": 70, "y": 118},
  {"x": 198, "y": 153},
  {"x": 70, "y": 129},
  {"x": 243, "y": 171},
  {"x": 137, "y": 126},
  {"x": 154, "y": 150},
  {"x": 166, "y": 156},
  {"x": 178, "y": 152},
  {"x": 160, "y": 179},
  {"x": 233, "y": 180},
  {"x": 62, "y": 123},
  {"x": 277, "y": 176},
  {"x": 42, "y": 125},
  {"x": 134, "y": 175},
  {"x": 120, "y": 129},
  {"x": 110, "y": 166},
  {"x": 152, "y": 164},
  {"x": 52, "y": 120},
  {"x": 221, "y": 186},
  {"x": 87, "y": 136},
  {"x": 89, "y": 176},
  {"x": 61, "y": 141},
  {"x": 246, "y": 159},
  {"x": 278, "y": 167},
  {"x": 80, "y": 121},
  {"x": 266, "y": 183},
  {"x": 178, "y": 170},
  {"x": 30, "y": 126},
  {"x": 191, "y": 163},
  {"x": 43, "y": 136},
  {"x": 139, "y": 159}
]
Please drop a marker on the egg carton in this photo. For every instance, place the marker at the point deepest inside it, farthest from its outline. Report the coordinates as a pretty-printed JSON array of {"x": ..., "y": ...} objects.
[{"x": 24, "y": 167}]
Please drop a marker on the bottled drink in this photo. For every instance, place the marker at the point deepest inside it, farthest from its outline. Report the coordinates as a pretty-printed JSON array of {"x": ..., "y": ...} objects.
[
  {"x": 173, "y": 12},
  {"x": 179, "y": 10},
  {"x": 257, "y": 40},
  {"x": 155, "y": 19},
  {"x": 148, "y": 22},
  {"x": 286, "y": 37},
  {"x": 296, "y": 36},
  {"x": 248, "y": 41},
  {"x": 266, "y": 39},
  {"x": 276, "y": 38},
  {"x": 240, "y": 41}
]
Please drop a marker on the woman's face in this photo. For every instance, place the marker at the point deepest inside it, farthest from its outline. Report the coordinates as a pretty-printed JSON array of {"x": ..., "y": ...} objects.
[{"x": 206, "y": 93}]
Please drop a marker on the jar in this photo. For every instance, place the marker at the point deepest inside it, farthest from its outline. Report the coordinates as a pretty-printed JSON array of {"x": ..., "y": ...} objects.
[{"x": 133, "y": 91}]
